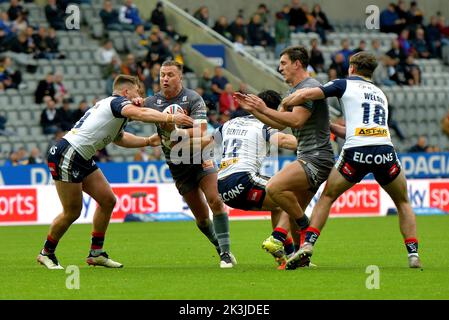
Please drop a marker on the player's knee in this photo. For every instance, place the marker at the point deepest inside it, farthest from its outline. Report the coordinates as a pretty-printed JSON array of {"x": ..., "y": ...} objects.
[
  {"x": 72, "y": 212},
  {"x": 215, "y": 203},
  {"x": 272, "y": 189},
  {"x": 108, "y": 203}
]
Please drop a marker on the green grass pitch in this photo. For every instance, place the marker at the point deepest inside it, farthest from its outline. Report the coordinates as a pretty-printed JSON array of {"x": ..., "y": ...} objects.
[{"x": 175, "y": 261}]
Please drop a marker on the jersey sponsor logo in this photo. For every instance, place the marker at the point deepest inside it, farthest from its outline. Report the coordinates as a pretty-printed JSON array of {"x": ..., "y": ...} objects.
[
  {"x": 158, "y": 101},
  {"x": 18, "y": 205},
  {"x": 348, "y": 170},
  {"x": 361, "y": 157},
  {"x": 231, "y": 194},
  {"x": 184, "y": 99},
  {"x": 393, "y": 170},
  {"x": 226, "y": 163},
  {"x": 439, "y": 195},
  {"x": 371, "y": 132},
  {"x": 135, "y": 200},
  {"x": 75, "y": 173}
]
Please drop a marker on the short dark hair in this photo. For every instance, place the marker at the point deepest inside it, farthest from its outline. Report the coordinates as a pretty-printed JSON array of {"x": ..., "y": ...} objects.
[
  {"x": 123, "y": 79},
  {"x": 364, "y": 63},
  {"x": 170, "y": 63},
  {"x": 297, "y": 53},
  {"x": 271, "y": 98}
]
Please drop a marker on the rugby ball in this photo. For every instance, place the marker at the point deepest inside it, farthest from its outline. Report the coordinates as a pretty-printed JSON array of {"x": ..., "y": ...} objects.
[{"x": 173, "y": 108}]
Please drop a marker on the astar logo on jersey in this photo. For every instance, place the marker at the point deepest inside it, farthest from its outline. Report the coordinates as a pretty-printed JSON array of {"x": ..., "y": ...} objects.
[
  {"x": 371, "y": 132},
  {"x": 134, "y": 200},
  {"x": 18, "y": 205},
  {"x": 360, "y": 199},
  {"x": 439, "y": 195}
]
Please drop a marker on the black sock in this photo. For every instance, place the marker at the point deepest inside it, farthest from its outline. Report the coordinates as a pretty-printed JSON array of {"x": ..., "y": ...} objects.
[
  {"x": 279, "y": 234},
  {"x": 303, "y": 222},
  {"x": 289, "y": 247},
  {"x": 412, "y": 246},
  {"x": 312, "y": 235},
  {"x": 50, "y": 245}
]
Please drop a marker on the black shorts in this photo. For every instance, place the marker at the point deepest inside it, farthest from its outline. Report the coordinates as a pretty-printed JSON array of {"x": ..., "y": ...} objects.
[
  {"x": 355, "y": 163},
  {"x": 67, "y": 165},
  {"x": 188, "y": 176},
  {"x": 243, "y": 190}
]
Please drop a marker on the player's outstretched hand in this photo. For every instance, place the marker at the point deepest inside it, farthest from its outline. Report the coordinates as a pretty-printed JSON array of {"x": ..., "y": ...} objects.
[
  {"x": 138, "y": 101},
  {"x": 182, "y": 120}
]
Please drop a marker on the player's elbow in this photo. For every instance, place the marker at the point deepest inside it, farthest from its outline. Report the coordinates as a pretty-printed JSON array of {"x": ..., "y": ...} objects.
[{"x": 297, "y": 124}]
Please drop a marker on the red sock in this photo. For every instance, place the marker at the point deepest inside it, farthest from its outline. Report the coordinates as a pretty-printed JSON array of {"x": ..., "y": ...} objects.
[{"x": 97, "y": 240}]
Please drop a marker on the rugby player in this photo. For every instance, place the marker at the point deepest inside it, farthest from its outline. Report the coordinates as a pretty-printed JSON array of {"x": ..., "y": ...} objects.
[
  {"x": 367, "y": 149},
  {"x": 71, "y": 165},
  {"x": 293, "y": 187},
  {"x": 195, "y": 177}
]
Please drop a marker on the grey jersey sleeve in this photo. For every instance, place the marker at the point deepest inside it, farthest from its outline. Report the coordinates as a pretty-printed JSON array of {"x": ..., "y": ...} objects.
[{"x": 197, "y": 107}]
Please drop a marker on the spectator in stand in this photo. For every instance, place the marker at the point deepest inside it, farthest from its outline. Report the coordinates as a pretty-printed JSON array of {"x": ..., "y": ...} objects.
[
  {"x": 420, "y": 48},
  {"x": 281, "y": 31},
  {"x": 385, "y": 69},
  {"x": 202, "y": 14},
  {"x": 44, "y": 88},
  {"x": 332, "y": 74},
  {"x": 433, "y": 37},
  {"x": 110, "y": 17},
  {"x": 9, "y": 78},
  {"x": 129, "y": 16},
  {"x": 50, "y": 121},
  {"x": 20, "y": 45},
  {"x": 35, "y": 156},
  {"x": 152, "y": 78},
  {"x": 346, "y": 52},
  {"x": 53, "y": 45},
  {"x": 298, "y": 18},
  {"x": 403, "y": 13},
  {"x": 131, "y": 68},
  {"x": 212, "y": 119},
  {"x": 66, "y": 115},
  {"x": 264, "y": 14},
  {"x": 404, "y": 41},
  {"x": 390, "y": 21},
  {"x": 257, "y": 36},
  {"x": 6, "y": 34},
  {"x": 222, "y": 27},
  {"x": 321, "y": 18},
  {"x": 228, "y": 104},
  {"x": 61, "y": 92},
  {"x": 219, "y": 82},
  {"x": 360, "y": 48},
  {"x": 79, "y": 113},
  {"x": 105, "y": 56},
  {"x": 157, "y": 52},
  {"x": 239, "y": 44},
  {"x": 416, "y": 14},
  {"x": 339, "y": 66},
  {"x": 408, "y": 73},
  {"x": 39, "y": 41},
  {"x": 376, "y": 48},
  {"x": 21, "y": 23},
  {"x": 14, "y": 10},
  {"x": 205, "y": 83},
  {"x": 396, "y": 53},
  {"x": 238, "y": 27},
  {"x": 55, "y": 16},
  {"x": 158, "y": 17},
  {"x": 420, "y": 145},
  {"x": 316, "y": 57},
  {"x": 13, "y": 159}
]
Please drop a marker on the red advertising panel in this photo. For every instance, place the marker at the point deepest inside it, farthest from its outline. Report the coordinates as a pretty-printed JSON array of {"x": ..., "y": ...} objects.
[
  {"x": 135, "y": 200},
  {"x": 439, "y": 195},
  {"x": 363, "y": 198},
  {"x": 18, "y": 205}
]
